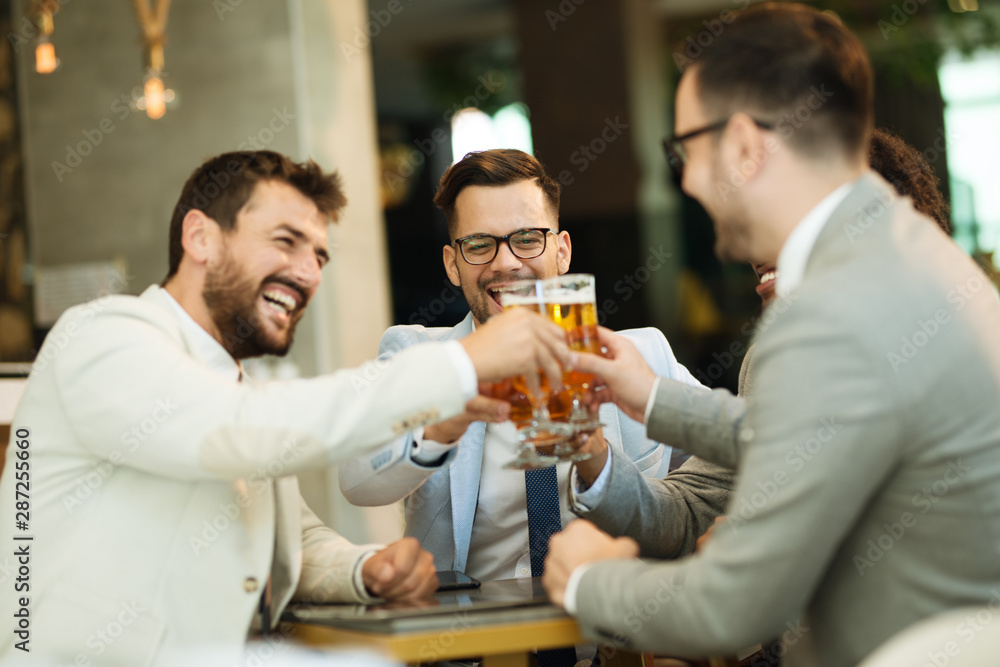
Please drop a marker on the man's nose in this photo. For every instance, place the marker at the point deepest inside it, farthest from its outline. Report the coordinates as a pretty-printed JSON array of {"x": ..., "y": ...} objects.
[
  {"x": 307, "y": 271},
  {"x": 505, "y": 261}
]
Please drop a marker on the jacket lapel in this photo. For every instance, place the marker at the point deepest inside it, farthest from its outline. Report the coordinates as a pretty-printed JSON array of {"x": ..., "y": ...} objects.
[{"x": 463, "y": 474}]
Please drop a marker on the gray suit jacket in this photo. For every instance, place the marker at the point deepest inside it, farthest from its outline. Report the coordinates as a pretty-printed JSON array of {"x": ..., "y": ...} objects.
[{"x": 869, "y": 489}]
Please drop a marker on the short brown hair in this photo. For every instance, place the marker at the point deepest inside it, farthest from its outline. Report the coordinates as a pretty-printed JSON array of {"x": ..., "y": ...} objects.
[
  {"x": 222, "y": 186},
  {"x": 501, "y": 166},
  {"x": 776, "y": 61}
]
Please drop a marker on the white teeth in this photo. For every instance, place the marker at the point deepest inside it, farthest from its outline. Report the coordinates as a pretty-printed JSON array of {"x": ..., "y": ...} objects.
[
  {"x": 770, "y": 275},
  {"x": 280, "y": 299}
]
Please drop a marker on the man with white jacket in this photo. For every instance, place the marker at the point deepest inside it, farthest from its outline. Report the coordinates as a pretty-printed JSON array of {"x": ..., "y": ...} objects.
[{"x": 192, "y": 530}]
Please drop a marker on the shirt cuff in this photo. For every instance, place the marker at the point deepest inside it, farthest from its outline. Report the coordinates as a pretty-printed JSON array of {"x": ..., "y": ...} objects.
[
  {"x": 467, "y": 377},
  {"x": 650, "y": 401},
  {"x": 428, "y": 452},
  {"x": 569, "y": 595},
  {"x": 359, "y": 581},
  {"x": 590, "y": 498}
]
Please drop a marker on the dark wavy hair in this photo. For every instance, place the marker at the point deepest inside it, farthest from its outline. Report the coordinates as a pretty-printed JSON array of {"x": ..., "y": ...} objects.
[
  {"x": 902, "y": 165},
  {"x": 222, "y": 186}
]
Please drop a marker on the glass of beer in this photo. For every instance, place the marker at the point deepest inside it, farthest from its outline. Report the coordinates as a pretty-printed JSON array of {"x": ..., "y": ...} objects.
[
  {"x": 571, "y": 302},
  {"x": 529, "y": 395}
]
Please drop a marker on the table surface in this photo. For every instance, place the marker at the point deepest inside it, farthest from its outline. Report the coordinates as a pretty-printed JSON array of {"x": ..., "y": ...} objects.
[{"x": 501, "y": 621}]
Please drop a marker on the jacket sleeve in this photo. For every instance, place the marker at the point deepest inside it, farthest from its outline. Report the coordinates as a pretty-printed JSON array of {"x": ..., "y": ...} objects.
[
  {"x": 329, "y": 564},
  {"x": 791, "y": 508},
  {"x": 707, "y": 424},
  {"x": 665, "y": 516},
  {"x": 193, "y": 424},
  {"x": 389, "y": 473}
]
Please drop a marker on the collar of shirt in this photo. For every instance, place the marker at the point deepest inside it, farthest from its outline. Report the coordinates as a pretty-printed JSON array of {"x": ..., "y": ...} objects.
[
  {"x": 211, "y": 351},
  {"x": 795, "y": 253}
]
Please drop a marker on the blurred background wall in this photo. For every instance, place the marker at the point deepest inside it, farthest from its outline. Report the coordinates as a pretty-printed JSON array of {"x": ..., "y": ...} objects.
[{"x": 390, "y": 92}]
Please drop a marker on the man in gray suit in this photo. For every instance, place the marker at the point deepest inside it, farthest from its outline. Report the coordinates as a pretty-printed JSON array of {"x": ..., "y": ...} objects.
[{"x": 868, "y": 494}]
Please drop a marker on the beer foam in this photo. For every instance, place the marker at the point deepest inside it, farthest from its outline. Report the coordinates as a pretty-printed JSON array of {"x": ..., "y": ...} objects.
[
  {"x": 568, "y": 296},
  {"x": 508, "y": 299}
]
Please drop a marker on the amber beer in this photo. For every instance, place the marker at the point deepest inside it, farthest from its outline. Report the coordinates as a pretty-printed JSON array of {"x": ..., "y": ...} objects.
[
  {"x": 514, "y": 392},
  {"x": 571, "y": 305},
  {"x": 579, "y": 321}
]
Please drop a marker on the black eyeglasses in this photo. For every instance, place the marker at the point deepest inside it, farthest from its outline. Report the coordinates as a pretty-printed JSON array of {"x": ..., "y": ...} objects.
[
  {"x": 674, "y": 146},
  {"x": 482, "y": 248}
]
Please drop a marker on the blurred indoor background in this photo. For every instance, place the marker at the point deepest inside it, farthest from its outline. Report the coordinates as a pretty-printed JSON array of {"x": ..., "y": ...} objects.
[{"x": 106, "y": 106}]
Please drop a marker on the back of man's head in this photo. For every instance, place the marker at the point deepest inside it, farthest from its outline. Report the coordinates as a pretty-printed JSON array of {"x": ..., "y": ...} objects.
[
  {"x": 223, "y": 185},
  {"x": 798, "y": 69},
  {"x": 496, "y": 167}
]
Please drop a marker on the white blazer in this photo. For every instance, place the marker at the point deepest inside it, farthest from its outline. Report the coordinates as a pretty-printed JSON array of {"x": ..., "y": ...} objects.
[{"x": 162, "y": 495}]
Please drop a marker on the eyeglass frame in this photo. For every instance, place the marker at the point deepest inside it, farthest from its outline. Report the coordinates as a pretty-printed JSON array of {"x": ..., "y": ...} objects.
[
  {"x": 674, "y": 149},
  {"x": 505, "y": 239}
]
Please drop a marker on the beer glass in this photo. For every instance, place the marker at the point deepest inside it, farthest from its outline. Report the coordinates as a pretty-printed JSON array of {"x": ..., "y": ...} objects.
[
  {"x": 571, "y": 302},
  {"x": 529, "y": 394}
]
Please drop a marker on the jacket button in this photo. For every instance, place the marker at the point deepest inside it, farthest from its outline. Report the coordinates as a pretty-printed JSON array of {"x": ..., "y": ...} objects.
[{"x": 250, "y": 584}]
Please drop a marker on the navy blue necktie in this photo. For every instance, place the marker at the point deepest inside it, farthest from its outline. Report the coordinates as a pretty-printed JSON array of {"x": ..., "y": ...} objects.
[{"x": 544, "y": 521}]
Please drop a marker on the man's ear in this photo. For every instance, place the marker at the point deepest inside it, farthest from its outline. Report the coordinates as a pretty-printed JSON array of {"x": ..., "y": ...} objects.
[
  {"x": 450, "y": 258},
  {"x": 564, "y": 253},
  {"x": 200, "y": 236},
  {"x": 745, "y": 146}
]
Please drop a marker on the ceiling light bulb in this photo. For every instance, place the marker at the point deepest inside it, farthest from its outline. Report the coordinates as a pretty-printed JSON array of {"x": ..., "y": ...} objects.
[
  {"x": 156, "y": 105},
  {"x": 45, "y": 57}
]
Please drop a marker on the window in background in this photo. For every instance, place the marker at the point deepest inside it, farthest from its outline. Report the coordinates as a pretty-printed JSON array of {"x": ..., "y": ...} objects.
[
  {"x": 474, "y": 130},
  {"x": 971, "y": 88}
]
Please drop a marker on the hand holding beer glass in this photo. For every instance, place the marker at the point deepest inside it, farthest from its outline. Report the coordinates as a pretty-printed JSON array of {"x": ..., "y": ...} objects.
[{"x": 529, "y": 394}]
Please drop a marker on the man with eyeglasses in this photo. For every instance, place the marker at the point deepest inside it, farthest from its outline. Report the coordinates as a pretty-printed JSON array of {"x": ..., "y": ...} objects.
[
  {"x": 502, "y": 211},
  {"x": 868, "y": 492}
]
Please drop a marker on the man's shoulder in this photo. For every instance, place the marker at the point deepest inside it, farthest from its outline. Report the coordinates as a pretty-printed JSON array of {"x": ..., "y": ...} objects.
[
  {"x": 401, "y": 336},
  {"x": 117, "y": 308}
]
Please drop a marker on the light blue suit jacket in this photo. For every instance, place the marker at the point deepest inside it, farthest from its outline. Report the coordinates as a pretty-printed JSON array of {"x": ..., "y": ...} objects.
[{"x": 441, "y": 500}]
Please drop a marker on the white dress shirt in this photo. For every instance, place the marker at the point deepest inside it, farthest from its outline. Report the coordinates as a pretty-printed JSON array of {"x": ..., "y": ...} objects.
[{"x": 794, "y": 255}]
